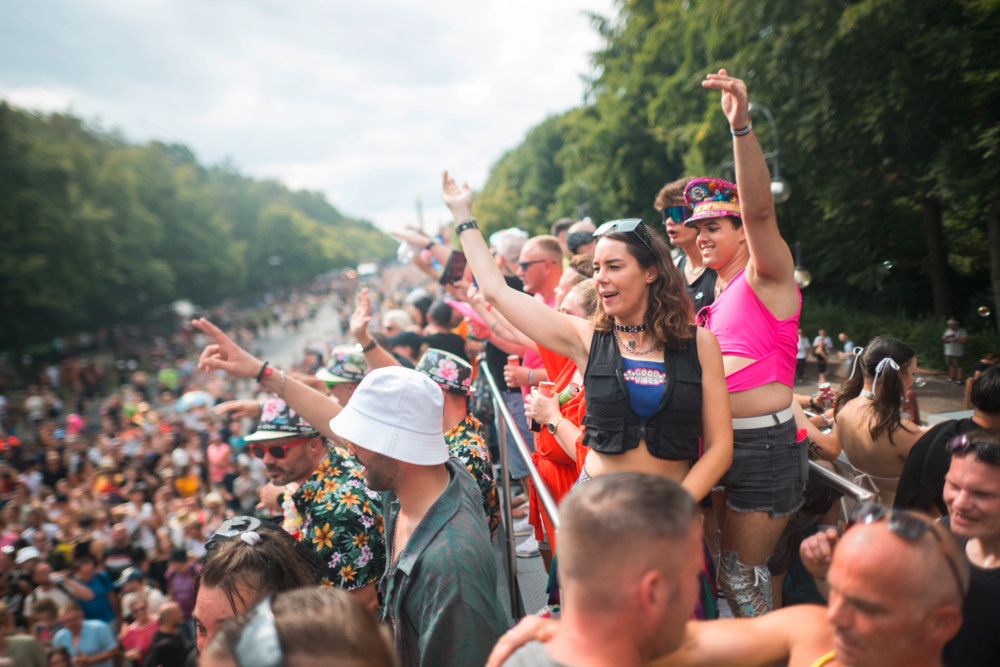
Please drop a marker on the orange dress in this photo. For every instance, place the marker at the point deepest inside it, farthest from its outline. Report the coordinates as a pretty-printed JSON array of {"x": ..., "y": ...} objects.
[{"x": 557, "y": 469}]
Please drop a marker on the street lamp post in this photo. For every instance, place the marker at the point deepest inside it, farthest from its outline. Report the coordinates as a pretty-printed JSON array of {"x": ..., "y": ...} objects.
[
  {"x": 780, "y": 189},
  {"x": 779, "y": 186}
]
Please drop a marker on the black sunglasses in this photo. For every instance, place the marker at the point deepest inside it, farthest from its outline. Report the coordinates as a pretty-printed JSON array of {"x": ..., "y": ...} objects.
[
  {"x": 907, "y": 525},
  {"x": 986, "y": 451},
  {"x": 625, "y": 225},
  {"x": 524, "y": 265},
  {"x": 676, "y": 213},
  {"x": 276, "y": 451}
]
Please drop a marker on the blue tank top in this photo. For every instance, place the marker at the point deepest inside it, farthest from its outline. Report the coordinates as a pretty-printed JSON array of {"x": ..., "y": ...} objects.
[{"x": 645, "y": 385}]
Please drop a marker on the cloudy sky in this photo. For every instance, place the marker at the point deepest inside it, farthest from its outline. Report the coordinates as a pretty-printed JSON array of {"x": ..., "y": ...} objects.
[{"x": 364, "y": 101}]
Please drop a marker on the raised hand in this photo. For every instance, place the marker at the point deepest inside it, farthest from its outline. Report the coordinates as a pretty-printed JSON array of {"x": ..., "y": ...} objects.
[
  {"x": 735, "y": 102},
  {"x": 817, "y": 551},
  {"x": 361, "y": 317},
  {"x": 414, "y": 237},
  {"x": 458, "y": 199},
  {"x": 224, "y": 354},
  {"x": 239, "y": 408}
]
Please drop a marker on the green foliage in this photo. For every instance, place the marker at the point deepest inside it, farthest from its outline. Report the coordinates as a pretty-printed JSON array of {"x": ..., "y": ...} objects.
[
  {"x": 923, "y": 334},
  {"x": 96, "y": 230},
  {"x": 886, "y": 109}
]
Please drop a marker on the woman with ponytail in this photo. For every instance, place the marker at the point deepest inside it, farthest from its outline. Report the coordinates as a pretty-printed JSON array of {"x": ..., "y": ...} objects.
[{"x": 868, "y": 422}]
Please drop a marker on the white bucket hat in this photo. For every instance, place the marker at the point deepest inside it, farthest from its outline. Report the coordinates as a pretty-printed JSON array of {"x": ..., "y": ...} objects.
[{"x": 396, "y": 412}]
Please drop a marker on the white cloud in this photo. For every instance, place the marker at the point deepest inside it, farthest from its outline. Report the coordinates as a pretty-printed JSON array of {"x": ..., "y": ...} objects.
[{"x": 365, "y": 102}]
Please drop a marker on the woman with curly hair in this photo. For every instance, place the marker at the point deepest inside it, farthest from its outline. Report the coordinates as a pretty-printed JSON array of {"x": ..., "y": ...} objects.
[
  {"x": 876, "y": 437},
  {"x": 654, "y": 382}
]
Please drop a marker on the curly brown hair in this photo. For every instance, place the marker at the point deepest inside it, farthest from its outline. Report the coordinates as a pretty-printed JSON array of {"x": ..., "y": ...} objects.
[
  {"x": 672, "y": 194},
  {"x": 669, "y": 313}
]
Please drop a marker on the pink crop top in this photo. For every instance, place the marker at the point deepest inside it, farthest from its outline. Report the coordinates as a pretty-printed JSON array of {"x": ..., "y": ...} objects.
[{"x": 746, "y": 328}]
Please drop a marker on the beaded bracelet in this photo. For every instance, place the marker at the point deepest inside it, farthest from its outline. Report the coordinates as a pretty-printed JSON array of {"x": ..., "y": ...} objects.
[
  {"x": 742, "y": 131},
  {"x": 260, "y": 373},
  {"x": 281, "y": 387},
  {"x": 467, "y": 224}
]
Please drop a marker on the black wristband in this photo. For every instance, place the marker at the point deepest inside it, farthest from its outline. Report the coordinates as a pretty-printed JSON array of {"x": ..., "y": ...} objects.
[
  {"x": 466, "y": 224},
  {"x": 742, "y": 131},
  {"x": 260, "y": 373},
  {"x": 430, "y": 244},
  {"x": 369, "y": 347}
]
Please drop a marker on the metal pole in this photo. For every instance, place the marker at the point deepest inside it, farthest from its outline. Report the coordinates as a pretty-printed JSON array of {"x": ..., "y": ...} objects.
[
  {"x": 548, "y": 502},
  {"x": 516, "y": 606},
  {"x": 834, "y": 480}
]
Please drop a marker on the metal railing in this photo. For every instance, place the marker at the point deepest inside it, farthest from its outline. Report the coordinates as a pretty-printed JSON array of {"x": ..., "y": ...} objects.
[
  {"x": 845, "y": 486},
  {"x": 506, "y": 425}
]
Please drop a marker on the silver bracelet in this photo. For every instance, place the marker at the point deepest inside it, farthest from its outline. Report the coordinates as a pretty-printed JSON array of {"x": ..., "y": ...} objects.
[{"x": 281, "y": 387}]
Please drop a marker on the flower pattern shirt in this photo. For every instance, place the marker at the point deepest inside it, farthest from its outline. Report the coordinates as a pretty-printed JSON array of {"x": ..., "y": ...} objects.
[
  {"x": 467, "y": 443},
  {"x": 342, "y": 521}
]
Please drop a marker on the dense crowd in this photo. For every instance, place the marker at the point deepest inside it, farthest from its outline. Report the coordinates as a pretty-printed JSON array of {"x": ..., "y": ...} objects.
[{"x": 216, "y": 509}]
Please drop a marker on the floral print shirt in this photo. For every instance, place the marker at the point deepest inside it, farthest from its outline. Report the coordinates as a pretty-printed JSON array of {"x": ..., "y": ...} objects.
[
  {"x": 342, "y": 521},
  {"x": 467, "y": 443}
]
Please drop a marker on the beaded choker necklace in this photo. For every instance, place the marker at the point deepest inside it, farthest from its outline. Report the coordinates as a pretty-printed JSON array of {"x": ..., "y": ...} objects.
[{"x": 631, "y": 330}]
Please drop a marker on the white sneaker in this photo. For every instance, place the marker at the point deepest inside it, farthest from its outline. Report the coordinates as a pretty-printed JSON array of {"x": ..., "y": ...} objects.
[
  {"x": 527, "y": 549},
  {"x": 522, "y": 527}
]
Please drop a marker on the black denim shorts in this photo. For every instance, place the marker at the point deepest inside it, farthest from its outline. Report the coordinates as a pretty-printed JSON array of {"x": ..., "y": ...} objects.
[{"x": 769, "y": 470}]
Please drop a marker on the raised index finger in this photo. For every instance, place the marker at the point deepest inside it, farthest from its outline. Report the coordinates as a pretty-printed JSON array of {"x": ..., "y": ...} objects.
[{"x": 208, "y": 328}]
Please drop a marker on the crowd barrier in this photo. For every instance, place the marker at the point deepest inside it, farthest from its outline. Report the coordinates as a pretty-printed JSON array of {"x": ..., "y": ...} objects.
[{"x": 506, "y": 425}]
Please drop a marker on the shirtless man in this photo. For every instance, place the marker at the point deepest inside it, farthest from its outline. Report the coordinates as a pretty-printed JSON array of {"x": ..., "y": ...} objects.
[{"x": 896, "y": 589}]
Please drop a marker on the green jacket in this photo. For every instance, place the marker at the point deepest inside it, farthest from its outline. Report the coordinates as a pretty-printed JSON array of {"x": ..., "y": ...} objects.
[{"x": 440, "y": 595}]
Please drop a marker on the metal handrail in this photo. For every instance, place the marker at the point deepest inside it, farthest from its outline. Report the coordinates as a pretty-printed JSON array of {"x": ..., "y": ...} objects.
[
  {"x": 830, "y": 478},
  {"x": 834, "y": 480},
  {"x": 548, "y": 502}
]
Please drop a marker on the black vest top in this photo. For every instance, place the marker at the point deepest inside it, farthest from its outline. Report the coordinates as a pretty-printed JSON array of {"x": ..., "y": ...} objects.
[{"x": 612, "y": 426}]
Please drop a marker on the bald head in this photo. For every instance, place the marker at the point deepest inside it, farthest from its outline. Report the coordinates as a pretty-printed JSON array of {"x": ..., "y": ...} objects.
[
  {"x": 170, "y": 615},
  {"x": 895, "y": 601}
]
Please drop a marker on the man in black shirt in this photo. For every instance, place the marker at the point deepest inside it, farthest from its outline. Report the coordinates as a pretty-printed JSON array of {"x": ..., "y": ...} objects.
[
  {"x": 922, "y": 479},
  {"x": 168, "y": 649}
]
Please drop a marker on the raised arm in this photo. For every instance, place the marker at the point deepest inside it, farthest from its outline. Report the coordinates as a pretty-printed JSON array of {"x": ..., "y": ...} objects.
[
  {"x": 375, "y": 356},
  {"x": 563, "y": 334},
  {"x": 770, "y": 258},
  {"x": 227, "y": 356},
  {"x": 420, "y": 241},
  {"x": 793, "y": 635}
]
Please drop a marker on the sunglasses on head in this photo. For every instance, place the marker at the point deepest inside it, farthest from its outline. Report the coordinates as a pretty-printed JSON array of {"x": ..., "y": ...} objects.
[
  {"x": 676, "y": 213},
  {"x": 986, "y": 451},
  {"x": 276, "y": 451},
  {"x": 626, "y": 225},
  {"x": 907, "y": 525}
]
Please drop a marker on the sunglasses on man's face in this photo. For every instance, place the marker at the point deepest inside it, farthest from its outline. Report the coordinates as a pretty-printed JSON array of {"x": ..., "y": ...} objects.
[
  {"x": 676, "y": 213},
  {"x": 626, "y": 225},
  {"x": 276, "y": 451},
  {"x": 987, "y": 452},
  {"x": 524, "y": 265},
  {"x": 907, "y": 525}
]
